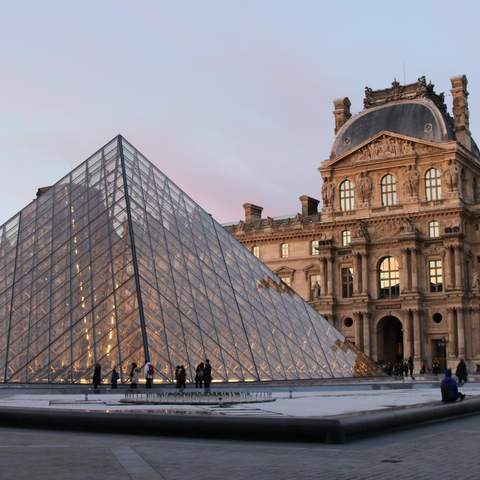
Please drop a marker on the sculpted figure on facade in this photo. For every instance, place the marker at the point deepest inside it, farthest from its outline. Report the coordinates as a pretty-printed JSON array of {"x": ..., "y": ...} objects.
[
  {"x": 364, "y": 188},
  {"x": 361, "y": 231},
  {"x": 452, "y": 173},
  {"x": 476, "y": 280},
  {"x": 411, "y": 181},
  {"x": 328, "y": 192},
  {"x": 407, "y": 225},
  {"x": 385, "y": 147},
  {"x": 316, "y": 291}
]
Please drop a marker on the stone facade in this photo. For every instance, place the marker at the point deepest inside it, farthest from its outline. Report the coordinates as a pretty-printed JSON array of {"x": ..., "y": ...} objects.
[{"x": 392, "y": 257}]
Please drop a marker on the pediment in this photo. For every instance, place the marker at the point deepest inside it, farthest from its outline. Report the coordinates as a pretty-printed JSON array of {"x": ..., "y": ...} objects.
[{"x": 385, "y": 145}]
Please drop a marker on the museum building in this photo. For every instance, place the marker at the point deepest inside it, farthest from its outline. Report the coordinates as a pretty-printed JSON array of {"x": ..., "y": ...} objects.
[{"x": 391, "y": 257}]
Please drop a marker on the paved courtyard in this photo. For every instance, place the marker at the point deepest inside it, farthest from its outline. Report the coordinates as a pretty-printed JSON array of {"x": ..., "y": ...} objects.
[{"x": 446, "y": 450}]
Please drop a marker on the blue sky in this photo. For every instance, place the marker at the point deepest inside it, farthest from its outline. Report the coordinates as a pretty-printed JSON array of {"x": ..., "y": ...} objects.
[{"x": 231, "y": 99}]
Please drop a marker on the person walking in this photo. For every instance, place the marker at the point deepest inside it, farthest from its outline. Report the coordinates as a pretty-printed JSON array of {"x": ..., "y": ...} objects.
[
  {"x": 461, "y": 372},
  {"x": 410, "y": 367},
  {"x": 177, "y": 371},
  {"x": 148, "y": 371},
  {"x": 182, "y": 378},
  {"x": 134, "y": 376},
  {"x": 449, "y": 388},
  {"x": 199, "y": 375},
  {"x": 207, "y": 375},
  {"x": 97, "y": 377},
  {"x": 114, "y": 378}
]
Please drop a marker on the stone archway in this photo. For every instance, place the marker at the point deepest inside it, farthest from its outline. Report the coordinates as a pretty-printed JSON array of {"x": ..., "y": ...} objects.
[{"x": 390, "y": 339}]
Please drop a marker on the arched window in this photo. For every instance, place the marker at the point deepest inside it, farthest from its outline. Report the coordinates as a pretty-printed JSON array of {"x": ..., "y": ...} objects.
[
  {"x": 388, "y": 186},
  {"x": 433, "y": 184},
  {"x": 347, "y": 196},
  {"x": 434, "y": 229},
  {"x": 389, "y": 278}
]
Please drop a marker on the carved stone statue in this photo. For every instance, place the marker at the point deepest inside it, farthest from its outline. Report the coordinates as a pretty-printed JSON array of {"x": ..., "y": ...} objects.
[
  {"x": 411, "y": 181},
  {"x": 328, "y": 192},
  {"x": 475, "y": 281},
  {"x": 316, "y": 291},
  {"x": 452, "y": 174},
  {"x": 364, "y": 186},
  {"x": 407, "y": 225},
  {"x": 361, "y": 230}
]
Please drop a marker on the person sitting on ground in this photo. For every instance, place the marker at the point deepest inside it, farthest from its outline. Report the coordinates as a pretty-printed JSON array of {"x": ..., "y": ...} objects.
[
  {"x": 461, "y": 372},
  {"x": 449, "y": 388}
]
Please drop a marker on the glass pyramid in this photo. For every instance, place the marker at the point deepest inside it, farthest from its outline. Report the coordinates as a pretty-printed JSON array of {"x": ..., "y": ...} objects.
[{"x": 115, "y": 264}]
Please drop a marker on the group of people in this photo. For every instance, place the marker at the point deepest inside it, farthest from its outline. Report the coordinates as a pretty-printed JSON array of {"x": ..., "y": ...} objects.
[
  {"x": 203, "y": 375},
  {"x": 400, "y": 369}
]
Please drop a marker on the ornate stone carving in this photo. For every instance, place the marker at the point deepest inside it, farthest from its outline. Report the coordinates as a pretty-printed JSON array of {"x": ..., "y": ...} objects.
[
  {"x": 316, "y": 291},
  {"x": 385, "y": 147},
  {"x": 328, "y": 192},
  {"x": 407, "y": 225},
  {"x": 361, "y": 230},
  {"x": 411, "y": 181},
  {"x": 364, "y": 188},
  {"x": 451, "y": 175},
  {"x": 475, "y": 281}
]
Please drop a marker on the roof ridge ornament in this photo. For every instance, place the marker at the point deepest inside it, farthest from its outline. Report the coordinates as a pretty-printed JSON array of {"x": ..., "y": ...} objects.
[{"x": 418, "y": 89}]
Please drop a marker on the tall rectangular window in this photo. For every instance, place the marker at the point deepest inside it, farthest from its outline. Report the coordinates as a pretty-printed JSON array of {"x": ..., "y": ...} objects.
[
  {"x": 346, "y": 238},
  {"x": 436, "y": 275},
  {"x": 256, "y": 251},
  {"x": 284, "y": 250},
  {"x": 314, "y": 247},
  {"x": 347, "y": 282}
]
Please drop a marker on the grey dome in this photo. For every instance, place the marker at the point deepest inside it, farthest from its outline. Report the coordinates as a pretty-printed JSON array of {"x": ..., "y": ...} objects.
[{"x": 419, "y": 118}]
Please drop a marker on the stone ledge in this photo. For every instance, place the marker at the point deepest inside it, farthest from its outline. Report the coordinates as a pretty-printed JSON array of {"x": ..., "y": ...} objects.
[{"x": 337, "y": 429}]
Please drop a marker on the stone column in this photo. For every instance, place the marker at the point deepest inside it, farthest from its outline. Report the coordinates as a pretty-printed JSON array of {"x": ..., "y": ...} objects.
[
  {"x": 329, "y": 276},
  {"x": 417, "y": 337},
  {"x": 364, "y": 273},
  {"x": 452, "y": 334},
  {"x": 407, "y": 340},
  {"x": 322, "y": 277},
  {"x": 356, "y": 274},
  {"x": 414, "y": 271},
  {"x": 448, "y": 269},
  {"x": 458, "y": 267},
  {"x": 406, "y": 285},
  {"x": 461, "y": 332},
  {"x": 357, "y": 318},
  {"x": 366, "y": 334}
]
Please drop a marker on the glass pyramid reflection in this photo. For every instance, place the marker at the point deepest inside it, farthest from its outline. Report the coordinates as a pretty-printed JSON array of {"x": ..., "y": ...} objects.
[{"x": 115, "y": 264}]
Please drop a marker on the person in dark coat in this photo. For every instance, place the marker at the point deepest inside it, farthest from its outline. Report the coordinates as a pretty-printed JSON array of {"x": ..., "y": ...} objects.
[
  {"x": 461, "y": 372},
  {"x": 207, "y": 375},
  {"x": 97, "y": 376},
  {"x": 435, "y": 367},
  {"x": 114, "y": 378},
  {"x": 410, "y": 367},
  {"x": 199, "y": 375},
  {"x": 182, "y": 378},
  {"x": 177, "y": 372},
  {"x": 449, "y": 388}
]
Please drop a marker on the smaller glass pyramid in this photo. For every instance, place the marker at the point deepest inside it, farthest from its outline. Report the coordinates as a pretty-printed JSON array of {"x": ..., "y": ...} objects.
[{"x": 115, "y": 264}]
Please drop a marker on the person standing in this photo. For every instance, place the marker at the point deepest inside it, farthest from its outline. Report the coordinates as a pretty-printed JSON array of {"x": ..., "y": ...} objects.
[
  {"x": 134, "y": 376},
  {"x": 114, "y": 378},
  {"x": 182, "y": 378},
  {"x": 148, "y": 371},
  {"x": 410, "y": 367},
  {"x": 199, "y": 375},
  {"x": 207, "y": 375},
  {"x": 461, "y": 372},
  {"x": 97, "y": 377}
]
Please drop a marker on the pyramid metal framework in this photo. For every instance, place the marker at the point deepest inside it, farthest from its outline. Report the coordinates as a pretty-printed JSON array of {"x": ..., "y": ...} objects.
[{"x": 115, "y": 264}]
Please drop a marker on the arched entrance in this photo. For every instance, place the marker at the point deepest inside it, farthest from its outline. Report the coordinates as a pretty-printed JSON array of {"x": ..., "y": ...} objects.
[{"x": 390, "y": 339}]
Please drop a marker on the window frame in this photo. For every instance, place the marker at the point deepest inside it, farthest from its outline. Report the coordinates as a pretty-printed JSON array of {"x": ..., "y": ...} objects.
[
  {"x": 314, "y": 248},
  {"x": 390, "y": 276},
  {"x": 346, "y": 281},
  {"x": 346, "y": 234},
  {"x": 256, "y": 251},
  {"x": 388, "y": 189},
  {"x": 433, "y": 185},
  {"x": 434, "y": 225},
  {"x": 435, "y": 273},
  {"x": 346, "y": 192},
  {"x": 284, "y": 250}
]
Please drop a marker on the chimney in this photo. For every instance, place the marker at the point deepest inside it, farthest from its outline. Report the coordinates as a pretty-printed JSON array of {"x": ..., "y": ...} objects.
[
  {"x": 309, "y": 205},
  {"x": 252, "y": 212},
  {"x": 341, "y": 112},
  {"x": 460, "y": 110}
]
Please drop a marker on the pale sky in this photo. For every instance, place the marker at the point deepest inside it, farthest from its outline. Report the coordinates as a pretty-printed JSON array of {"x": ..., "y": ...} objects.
[{"x": 231, "y": 99}]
